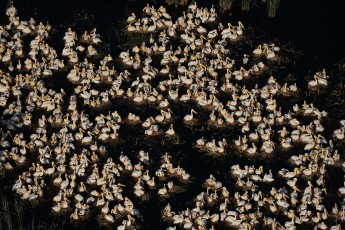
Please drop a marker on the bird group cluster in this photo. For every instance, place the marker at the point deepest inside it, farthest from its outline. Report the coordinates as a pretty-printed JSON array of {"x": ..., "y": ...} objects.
[
  {"x": 65, "y": 141},
  {"x": 320, "y": 80},
  {"x": 339, "y": 133}
]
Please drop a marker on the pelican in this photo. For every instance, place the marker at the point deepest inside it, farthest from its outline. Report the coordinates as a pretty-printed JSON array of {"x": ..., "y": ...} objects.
[
  {"x": 163, "y": 191},
  {"x": 252, "y": 150},
  {"x": 314, "y": 82},
  {"x": 258, "y": 50},
  {"x": 131, "y": 18},
  {"x": 170, "y": 131},
  {"x": 189, "y": 117},
  {"x": 87, "y": 139}
]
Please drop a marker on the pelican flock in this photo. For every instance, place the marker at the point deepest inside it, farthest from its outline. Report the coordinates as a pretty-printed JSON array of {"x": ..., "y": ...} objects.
[{"x": 61, "y": 136}]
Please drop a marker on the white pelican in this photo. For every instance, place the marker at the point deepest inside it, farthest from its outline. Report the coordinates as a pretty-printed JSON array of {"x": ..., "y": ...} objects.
[{"x": 189, "y": 117}]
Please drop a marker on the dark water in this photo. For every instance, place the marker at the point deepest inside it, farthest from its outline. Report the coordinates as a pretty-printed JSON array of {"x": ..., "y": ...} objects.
[{"x": 313, "y": 27}]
